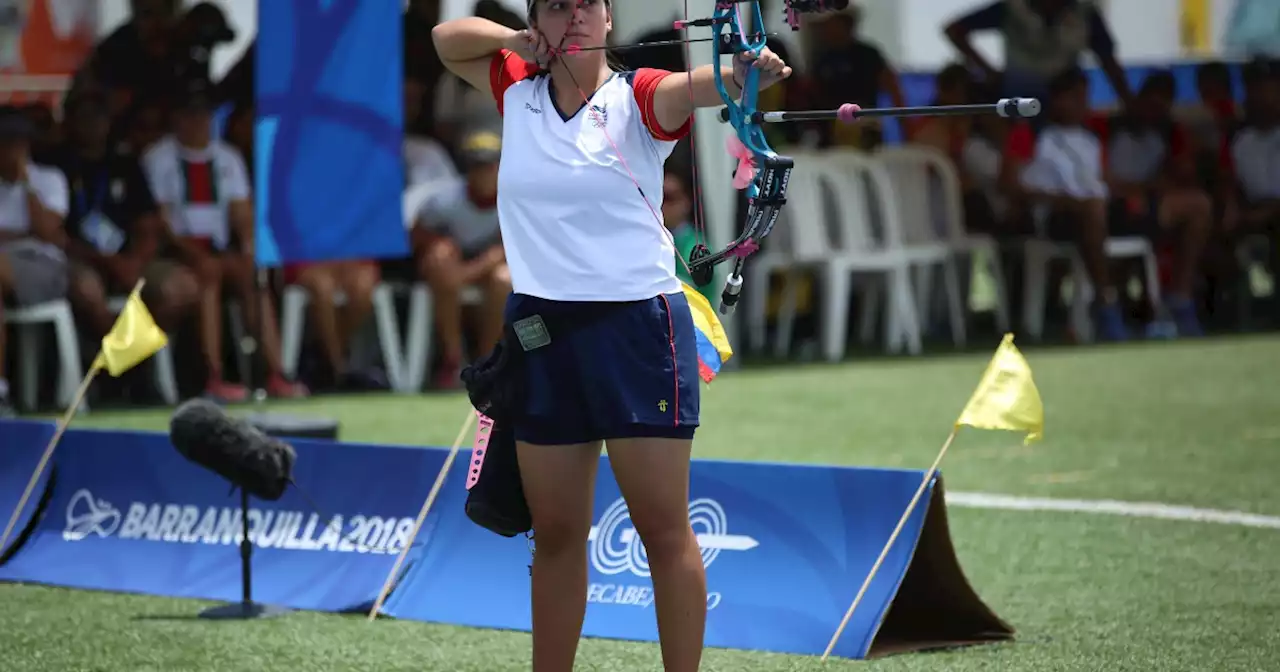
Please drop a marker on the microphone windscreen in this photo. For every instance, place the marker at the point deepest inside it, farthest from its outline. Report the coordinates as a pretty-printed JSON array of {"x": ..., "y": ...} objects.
[{"x": 204, "y": 434}]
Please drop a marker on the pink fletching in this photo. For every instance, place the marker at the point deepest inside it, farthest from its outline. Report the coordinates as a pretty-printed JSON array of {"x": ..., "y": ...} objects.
[{"x": 848, "y": 113}]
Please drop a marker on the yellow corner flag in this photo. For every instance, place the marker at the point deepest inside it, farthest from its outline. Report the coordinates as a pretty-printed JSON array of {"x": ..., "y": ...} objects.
[
  {"x": 132, "y": 339},
  {"x": 1006, "y": 397}
]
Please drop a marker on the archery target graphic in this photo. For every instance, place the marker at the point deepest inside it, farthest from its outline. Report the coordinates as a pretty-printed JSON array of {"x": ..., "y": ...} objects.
[{"x": 616, "y": 546}]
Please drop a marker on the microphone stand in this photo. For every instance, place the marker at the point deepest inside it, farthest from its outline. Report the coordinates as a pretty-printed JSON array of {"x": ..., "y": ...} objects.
[{"x": 246, "y": 608}]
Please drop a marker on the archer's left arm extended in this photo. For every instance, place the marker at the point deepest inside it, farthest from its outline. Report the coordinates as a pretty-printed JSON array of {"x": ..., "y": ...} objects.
[{"x": 679, "y": 95}]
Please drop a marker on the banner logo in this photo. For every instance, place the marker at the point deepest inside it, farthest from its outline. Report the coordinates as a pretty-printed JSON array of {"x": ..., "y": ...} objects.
[
  {"x": 616, "y": 548},
  {"x": 86, "y": 516},
  {"x": 188, "y": 524}
]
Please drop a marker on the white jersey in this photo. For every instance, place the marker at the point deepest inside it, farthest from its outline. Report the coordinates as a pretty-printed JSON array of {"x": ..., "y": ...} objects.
[
  {"x": 195, "y": 186},
  {"x": 1067, "y": 162},
  {"x": 573, "y": 226},
  {"x": 1255, "y": 156},
  {"x": 50, "y": 186}
]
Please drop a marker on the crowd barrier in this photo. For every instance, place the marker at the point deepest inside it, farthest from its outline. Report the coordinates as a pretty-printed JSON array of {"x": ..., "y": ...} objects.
[{"x": 785, "y": 546}]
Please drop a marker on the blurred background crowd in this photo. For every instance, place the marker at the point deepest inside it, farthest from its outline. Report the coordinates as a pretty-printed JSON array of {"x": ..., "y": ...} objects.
[{"x": 141, "y": 169}]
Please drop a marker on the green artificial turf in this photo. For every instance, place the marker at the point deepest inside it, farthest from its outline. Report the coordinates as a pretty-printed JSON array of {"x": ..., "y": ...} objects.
[{"x": 1180, "y": 423}]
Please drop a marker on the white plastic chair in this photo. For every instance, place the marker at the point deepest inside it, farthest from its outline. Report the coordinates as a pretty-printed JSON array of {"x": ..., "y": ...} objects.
[
  {"x": 837, "y": 242},
  {"x": 165, "y": 379},
  {"x": 30, "y": 343},
  {"x": 929, "y": 193},
  {"x": 420, "y": 333},
  {"x": 1040, "y": 252},
  {"x": 293, "y": 318}
]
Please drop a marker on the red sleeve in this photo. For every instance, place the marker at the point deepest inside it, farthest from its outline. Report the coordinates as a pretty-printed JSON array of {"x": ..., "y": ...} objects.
[
  {"x": 644, "y": 83},
  {"x": 1100, "y": 125},
  {"x": 506, "y": 69},
  {"x": 1021, "y": 143}
]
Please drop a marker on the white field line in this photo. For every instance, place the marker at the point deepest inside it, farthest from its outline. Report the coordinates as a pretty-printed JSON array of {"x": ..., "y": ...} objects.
[{"x": 981, "y": 500}]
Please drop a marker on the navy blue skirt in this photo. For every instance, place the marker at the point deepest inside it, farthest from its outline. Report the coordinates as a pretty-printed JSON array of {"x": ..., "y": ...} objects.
[{"x": 617, "y": 370}]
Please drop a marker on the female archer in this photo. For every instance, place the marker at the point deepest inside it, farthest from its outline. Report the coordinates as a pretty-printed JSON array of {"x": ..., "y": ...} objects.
[{"x": 607, "y": 333}]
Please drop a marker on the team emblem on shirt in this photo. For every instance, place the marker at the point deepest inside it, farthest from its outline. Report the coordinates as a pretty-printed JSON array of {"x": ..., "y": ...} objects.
[{"x": 599, "y": 116}]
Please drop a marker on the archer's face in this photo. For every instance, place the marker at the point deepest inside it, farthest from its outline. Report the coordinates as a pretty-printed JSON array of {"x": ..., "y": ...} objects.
[{"x": 588, "y": 26}]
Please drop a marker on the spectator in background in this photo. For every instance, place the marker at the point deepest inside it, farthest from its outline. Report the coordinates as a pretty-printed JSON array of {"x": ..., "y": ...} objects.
[
  {"x": 1154, "y": 189},
  {"x": 336, "y": 328},
  {"x": 202, "y": 186},
  {"x": 425, "y": 159},
  {"x": 134, "y": 60},
  {"x": 976, "y": 156},
  {"x": 1064, "y": 176},
  {"x": 847, "y": 69},
  {"x": 991, "y": 179},
  {"x": 677, "y": 214},
  {"x": 1214, "y": 118},
  {"x": 1041, "y": 39},
  {"x": 143, "y": 125},
  {"x": 458, "y": 244},
  {"x": 1254, "y": 202},
  {"x": 46, "y": 137},
  {"x": 420, "y": 55},
  {"x": 458, "y": 104},
  {"x": 114, "y": 227},
  {"x": 33, "y": 203}
]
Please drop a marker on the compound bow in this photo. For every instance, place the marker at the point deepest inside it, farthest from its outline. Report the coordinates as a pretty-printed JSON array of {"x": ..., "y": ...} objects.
[
  {"x": 767, "y": 175},
  {"x": 762, "y": 172}
]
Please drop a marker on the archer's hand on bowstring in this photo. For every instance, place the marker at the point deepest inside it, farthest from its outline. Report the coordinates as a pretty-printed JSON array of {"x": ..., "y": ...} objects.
[
  {"x": 531, "y": 46},
  {"x": 771, "y": 66}
]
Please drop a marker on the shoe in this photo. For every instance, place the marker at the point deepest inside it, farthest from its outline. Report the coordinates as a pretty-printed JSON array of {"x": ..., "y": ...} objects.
[
  {"x": 1184, "y": 315},
  {"x": 1111, "y": 323},
  {"x": 226, "y": 393},
  {"x": 280, "y": 388},
  {"x": 449, "y": 377}
]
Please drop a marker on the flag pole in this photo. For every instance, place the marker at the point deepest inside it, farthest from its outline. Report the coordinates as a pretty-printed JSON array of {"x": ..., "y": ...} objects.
[
  {"x": 63, "y": 423},
  {"x": 422, "y": 514},
  {"x": 924, "y": 484}
]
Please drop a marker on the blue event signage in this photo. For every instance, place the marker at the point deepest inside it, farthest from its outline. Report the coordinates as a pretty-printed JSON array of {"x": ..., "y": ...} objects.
[
  {"x": 328, "y": 169},
  {"x": 785, "y": 546},
  {"x": 128, "y": 513},
  {"x": 21, "y": 445}
]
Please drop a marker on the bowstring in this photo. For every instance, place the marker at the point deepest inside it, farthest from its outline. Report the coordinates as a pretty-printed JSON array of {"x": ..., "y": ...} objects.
[
  {"x": 699, "y": 220},
  {"x": 586, "y": 106}
]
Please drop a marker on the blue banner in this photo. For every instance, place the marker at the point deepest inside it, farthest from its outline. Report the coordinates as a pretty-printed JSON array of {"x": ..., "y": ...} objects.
[
  {"x": 786, "y": 548},
  {"x": 22, "y": 442},
  {"x": 328, "y": 169},
  {"x": 129, "y": 514}
]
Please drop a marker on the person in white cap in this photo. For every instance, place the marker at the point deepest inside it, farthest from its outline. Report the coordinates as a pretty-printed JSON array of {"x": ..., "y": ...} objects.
[{"x": 579, "y": 197}]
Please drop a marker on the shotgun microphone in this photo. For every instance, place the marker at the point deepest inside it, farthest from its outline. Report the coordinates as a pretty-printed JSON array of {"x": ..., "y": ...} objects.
[{"x": 258, "y": 464}]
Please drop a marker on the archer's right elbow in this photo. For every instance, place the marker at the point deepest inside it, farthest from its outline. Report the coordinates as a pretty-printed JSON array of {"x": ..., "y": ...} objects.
[{"x": 452, "y": 39}]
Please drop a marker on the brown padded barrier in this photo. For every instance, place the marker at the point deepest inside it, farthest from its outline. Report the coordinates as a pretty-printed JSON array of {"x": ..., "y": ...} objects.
[{"x": 935, "y": 606}]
